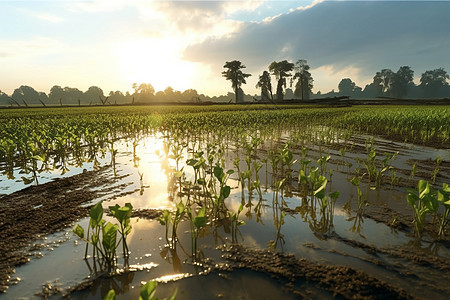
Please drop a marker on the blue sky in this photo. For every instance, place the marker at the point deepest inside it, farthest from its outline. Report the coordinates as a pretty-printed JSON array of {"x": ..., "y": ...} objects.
[{"x": 184, "y": 44}]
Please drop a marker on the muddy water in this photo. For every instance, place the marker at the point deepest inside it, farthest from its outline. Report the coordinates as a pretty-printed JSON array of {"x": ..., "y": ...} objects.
[{"x": 351, "y": 239}]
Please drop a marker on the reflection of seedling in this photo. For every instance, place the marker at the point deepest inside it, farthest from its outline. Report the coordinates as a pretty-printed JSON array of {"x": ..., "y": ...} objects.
[
  {"x": 147, "y": 292},
  {"x": 257, "y": 183}
]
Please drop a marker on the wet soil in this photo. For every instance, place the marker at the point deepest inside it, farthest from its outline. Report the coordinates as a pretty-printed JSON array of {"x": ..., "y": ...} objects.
[
  {"x": 39, "y": 210},
  {"x": 341, "y": 281}
]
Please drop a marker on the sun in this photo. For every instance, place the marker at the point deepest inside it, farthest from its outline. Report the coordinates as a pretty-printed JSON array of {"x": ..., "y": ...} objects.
[{"x": 155, "y": 61}]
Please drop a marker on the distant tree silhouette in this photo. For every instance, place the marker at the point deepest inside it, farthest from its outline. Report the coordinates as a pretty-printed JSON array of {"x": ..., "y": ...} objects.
[
  {"x": 346, "y": 87},
  {"x": 401, "y": 81},
  {"x": 94, "y": 94},
  {"x": 281, "y": 70},
  {"x": 265, "y": 84},
  {"x": 433, "y": 82},
  {"x": 235, "y": 75},
  {"x": 28, "y": 95},
  {"x": 190, "y": 95},
  {"x": 4, "y": 99},
  {"x": 382, "y": 82},
  {"x": 144, "y": 92},
  {"x": 304, "y": 79}
]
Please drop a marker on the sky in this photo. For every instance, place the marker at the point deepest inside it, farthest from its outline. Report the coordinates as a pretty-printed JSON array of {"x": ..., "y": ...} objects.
[{"x": 184, "y": 44}]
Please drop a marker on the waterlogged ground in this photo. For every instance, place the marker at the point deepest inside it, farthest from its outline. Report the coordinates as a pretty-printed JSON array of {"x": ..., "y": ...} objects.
[{"x": 286, "y": 249}]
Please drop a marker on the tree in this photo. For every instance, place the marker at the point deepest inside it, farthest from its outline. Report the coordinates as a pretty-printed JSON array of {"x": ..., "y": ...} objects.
[
  {"x": 280, "y": 70},
  {"x": 305, "y": 81},
  {"x": 400, "y": 82},
  {"x": 432, "y": 82},
  {"x": 266, "y": 86},
  {"x": 144, "y": 92},
  {"x": 93, "y": 94},
  {"x": 4, "y": 99},
  {"x": 346, "y": 87},
  {"x": 382, "y": 82},
  {"x": 235, "y": 75},
  {"x": 27, "y": 95}
]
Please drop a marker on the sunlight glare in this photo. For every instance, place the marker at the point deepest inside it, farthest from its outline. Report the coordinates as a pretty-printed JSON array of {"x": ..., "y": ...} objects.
[{"x": 155, "y": 61}]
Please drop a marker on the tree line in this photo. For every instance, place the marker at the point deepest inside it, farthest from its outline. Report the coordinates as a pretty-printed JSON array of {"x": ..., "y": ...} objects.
[
  {"x": 143, "y": 93},
  {"x": 386, "y": 83}
]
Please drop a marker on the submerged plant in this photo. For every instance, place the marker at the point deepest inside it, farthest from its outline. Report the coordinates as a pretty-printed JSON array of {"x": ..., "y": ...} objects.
[
  {"x": 197, "y": 224},
  {"x": 235, "y": 223},
  {"x": 423, "y": 202},
  {"x": 103, "y": 237},
  {"x": 356, "y": 181}
]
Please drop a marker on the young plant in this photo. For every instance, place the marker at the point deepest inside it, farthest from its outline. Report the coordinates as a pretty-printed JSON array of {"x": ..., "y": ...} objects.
[
  {"x": 123, "y": 215},
  {"x": 423, "y": 202},
  {"x": 443, "y": 196},
  {"x": 197, "y": 224},
  {"x": 235, "y": 223},
  {"x": 356, "y": 181},
  {"x": 103, "y": 237}
]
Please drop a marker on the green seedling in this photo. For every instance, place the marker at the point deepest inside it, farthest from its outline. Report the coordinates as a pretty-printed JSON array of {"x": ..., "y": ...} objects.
[
  {"x": 235, "y": 223},
  {"x": 197, "y": 224},
  {"x": 356, "y": 181},
  {"x": 443, "y": 196},
  {"x": 103, "y": 237},
  {"x": 423, "y": 202},
  {"x": 123, "y": 215}
]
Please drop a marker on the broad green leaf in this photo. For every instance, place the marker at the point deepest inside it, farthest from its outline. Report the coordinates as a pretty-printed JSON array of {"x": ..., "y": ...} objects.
[
  {"x": 355, "y": 181},
  {"x": 109, "y": 237},
  {"x": 148, "y": 290},
  {"x": 78, "y": 230},
  {"x": 218, "y": 172},
  {"x": 411, "y": 198},
  {"x": 334, "y": 195},
  {"x": 319, "y": 192},
  {"x": 200, "y": 222},
  {"x": 423, "y": 187},
  {"x": 225, "y": 191},
  {"x": 96, "y": 214}
]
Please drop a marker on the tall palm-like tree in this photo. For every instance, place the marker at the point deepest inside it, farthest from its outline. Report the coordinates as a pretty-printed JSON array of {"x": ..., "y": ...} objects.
[
  {"x": 280, "y": 69},
  {"x": 266, "y": 86},
  {"x": 235, "y": 75}
]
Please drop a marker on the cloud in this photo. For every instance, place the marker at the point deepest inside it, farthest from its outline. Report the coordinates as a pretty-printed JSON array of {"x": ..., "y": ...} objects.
[
  {"x": 368, "y": 36},
  {"x": 205, "y": 17}
]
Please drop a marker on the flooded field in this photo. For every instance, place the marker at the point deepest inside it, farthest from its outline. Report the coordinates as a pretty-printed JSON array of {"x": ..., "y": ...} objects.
[{"x": 227, "y": 203}]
